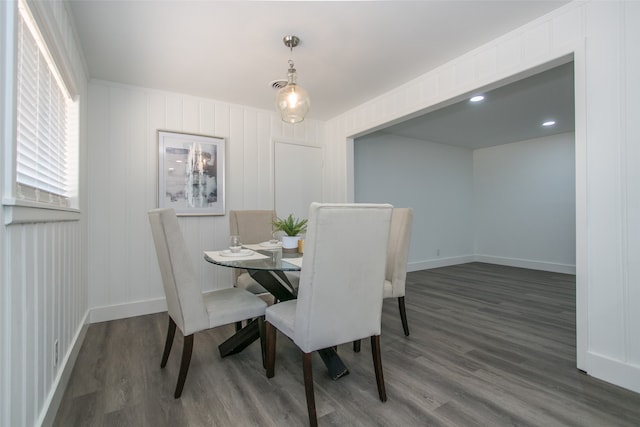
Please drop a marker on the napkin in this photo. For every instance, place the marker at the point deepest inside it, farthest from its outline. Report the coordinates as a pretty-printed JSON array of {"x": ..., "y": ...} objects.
[
  {"x": 295, "y": 261},
  {"x": 262, "y": 247},
  {"x": 215, "y": 255}
]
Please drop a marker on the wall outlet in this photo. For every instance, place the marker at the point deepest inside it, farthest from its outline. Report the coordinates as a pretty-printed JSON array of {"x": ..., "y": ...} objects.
[{"x": 56, "y": 348}]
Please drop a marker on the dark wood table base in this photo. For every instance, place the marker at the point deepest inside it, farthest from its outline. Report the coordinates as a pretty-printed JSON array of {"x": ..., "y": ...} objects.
[
  {"x": 334, "y": 364},
  {"x": 241, "y": 339}
]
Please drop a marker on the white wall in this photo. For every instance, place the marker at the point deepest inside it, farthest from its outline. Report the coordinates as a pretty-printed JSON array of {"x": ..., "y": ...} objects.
[
  {"x": 124, "y": 278},
  {"x": 435, "y": 180},
  {"x": 43, "y": 281},
  {"x": 602, "y": 37},
  {"x": 524, "y": 203}
]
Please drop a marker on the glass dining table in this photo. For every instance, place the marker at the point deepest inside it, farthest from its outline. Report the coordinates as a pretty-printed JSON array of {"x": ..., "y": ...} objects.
[{"x": 268, "y": 267}]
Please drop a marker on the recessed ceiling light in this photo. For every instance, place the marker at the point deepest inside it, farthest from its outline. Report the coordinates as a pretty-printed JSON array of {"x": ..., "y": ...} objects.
[
  {"x": 477, "y": 98},
  {"x": 549, "y": 123}
]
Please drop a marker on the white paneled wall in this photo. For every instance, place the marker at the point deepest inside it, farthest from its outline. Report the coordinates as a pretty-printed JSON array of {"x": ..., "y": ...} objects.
[
  {"x": 47, "y": 302},
  {"x": 123, "y": 155},
  {"x": 603, "y": 39},
  {"x": 43, "y": 283}
]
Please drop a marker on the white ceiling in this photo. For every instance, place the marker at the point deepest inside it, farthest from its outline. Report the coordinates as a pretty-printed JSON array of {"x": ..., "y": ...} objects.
[
  {"x": 230, "y": 51},
  {"x": 514, "y": 112}
]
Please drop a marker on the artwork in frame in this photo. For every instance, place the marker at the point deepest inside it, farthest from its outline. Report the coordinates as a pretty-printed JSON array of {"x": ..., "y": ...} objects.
[{"x": 191, "y": 173}]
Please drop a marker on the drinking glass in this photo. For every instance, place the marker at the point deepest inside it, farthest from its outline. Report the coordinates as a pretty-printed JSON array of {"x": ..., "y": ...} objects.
[
  {"x": 234, "y": 243},
  {"x": 274, "y": 237}
]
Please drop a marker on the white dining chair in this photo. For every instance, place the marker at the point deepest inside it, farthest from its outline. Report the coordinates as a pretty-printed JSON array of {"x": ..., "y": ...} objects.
[
  {"x": 189, "y": 309},
  {"x": 341, "y": 288}
]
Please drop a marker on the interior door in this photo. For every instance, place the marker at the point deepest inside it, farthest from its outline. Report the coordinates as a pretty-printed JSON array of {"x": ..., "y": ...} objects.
[{"x": 298, "y": 178}]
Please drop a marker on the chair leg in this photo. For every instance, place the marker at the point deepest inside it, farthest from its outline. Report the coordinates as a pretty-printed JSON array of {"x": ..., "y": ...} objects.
[
  {"x": 271, "y": 349},
  {"x": 403, "y": 315},
  {"x": 184, "y": 364},
  {"x": 377, "y": 365},
  {"x": 171, "y": 332},
  {"x": 308, "y": 388},
  {"x": 238, "y": 326},
  {"x": 263, "y": 341},
  {"x": 356, "y": 346}
]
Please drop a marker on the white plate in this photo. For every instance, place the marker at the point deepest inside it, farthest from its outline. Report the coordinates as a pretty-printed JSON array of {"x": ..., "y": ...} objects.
[
  {"x": 242, "y": 252},
  {"x": 271, "y": 245}
]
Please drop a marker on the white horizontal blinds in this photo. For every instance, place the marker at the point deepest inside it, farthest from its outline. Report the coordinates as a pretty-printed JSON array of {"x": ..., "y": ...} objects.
[{"x": 43, "y": 110}]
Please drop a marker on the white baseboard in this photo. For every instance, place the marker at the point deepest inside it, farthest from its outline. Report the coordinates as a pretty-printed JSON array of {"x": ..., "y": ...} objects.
[
  {"x": 51, "y": 405},
  {"x": 440, "y": 262},
  {"x": 623, "y": 374},
  {"x": 129, "y": 309},
  {"x": 525, "y": 263},
  {"x": 510, "y": 262}
]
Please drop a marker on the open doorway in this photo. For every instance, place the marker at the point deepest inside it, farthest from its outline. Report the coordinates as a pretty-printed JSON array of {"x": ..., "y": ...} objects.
[
  {"x": 435, "y": 253},
  {"x": 487, "y": 180}
]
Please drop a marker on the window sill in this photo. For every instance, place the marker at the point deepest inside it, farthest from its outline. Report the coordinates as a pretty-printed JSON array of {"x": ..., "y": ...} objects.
[{"x": 20, "y": 212}]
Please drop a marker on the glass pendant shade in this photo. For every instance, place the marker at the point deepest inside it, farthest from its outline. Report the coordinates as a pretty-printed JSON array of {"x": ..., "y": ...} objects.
[{"x": 292, "y": 101}]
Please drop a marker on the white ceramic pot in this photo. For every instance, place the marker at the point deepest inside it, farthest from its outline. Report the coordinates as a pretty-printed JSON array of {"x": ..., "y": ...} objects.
[{"x": 290, "y": 242}]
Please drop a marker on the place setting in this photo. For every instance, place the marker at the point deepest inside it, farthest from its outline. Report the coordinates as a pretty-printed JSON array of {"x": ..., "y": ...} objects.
[
  {"x": 235, "y": 251},
  {"x": 269, "y": 245}
]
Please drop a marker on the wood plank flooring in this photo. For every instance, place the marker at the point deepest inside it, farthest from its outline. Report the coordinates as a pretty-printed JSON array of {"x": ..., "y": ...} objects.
[{"x": 489, "y": 346}]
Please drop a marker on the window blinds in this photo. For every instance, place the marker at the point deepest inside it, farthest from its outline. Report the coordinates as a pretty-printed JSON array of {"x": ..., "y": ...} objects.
[{"x": 43, "y": 115}]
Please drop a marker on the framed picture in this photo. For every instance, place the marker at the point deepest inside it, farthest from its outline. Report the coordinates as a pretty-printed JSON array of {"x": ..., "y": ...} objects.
[{"x": 191, "y": 173}]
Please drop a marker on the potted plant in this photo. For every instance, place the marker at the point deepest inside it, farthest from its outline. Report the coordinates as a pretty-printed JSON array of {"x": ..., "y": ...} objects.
[{"x": 291, "y": 227}]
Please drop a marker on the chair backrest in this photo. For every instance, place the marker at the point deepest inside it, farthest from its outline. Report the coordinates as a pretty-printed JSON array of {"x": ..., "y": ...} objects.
[
  {"x": 184, "y": 296},
  {"x": 253, "y": 226},
  {"x": 342, "y": 277},
  {"x": 398, "y": 249}
]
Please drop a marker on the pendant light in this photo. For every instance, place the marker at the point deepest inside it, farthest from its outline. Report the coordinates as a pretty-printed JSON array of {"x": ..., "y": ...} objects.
[{"x": 292, "y": 101}]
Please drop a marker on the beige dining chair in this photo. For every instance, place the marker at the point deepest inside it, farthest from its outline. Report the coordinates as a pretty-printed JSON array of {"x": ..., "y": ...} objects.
[
  {"x": 254, "y": 226},
  {"x": 341, "y": 288},
  {"x": 397, "y": 257},
  {"x": 189, "y": 309}
]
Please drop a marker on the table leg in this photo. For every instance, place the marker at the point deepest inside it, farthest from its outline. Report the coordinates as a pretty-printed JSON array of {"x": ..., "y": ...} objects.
[
  {"x": 269, "y": 280},
  {"x": 241, "y": 339},
  {"x": 334, "y": 364}
]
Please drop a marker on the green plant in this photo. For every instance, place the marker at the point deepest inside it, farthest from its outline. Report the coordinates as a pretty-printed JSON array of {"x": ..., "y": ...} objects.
[{"x": 290, "y": 226}]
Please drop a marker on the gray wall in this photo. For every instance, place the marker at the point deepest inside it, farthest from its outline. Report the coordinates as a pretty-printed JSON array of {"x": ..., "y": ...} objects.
[
  {"x": 524, "y": 201},
  {"x": 512, "y": 204},
  {"x": 435, "y": 180}
]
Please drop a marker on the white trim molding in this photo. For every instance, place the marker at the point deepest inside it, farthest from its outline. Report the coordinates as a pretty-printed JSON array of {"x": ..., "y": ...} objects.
[
  {"x": 56, "y": 392},
  {"x": 129, "y": 309}
]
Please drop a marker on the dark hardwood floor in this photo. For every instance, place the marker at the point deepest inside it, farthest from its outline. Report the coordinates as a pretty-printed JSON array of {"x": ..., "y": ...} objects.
[{"x": 489, "y": 346}]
